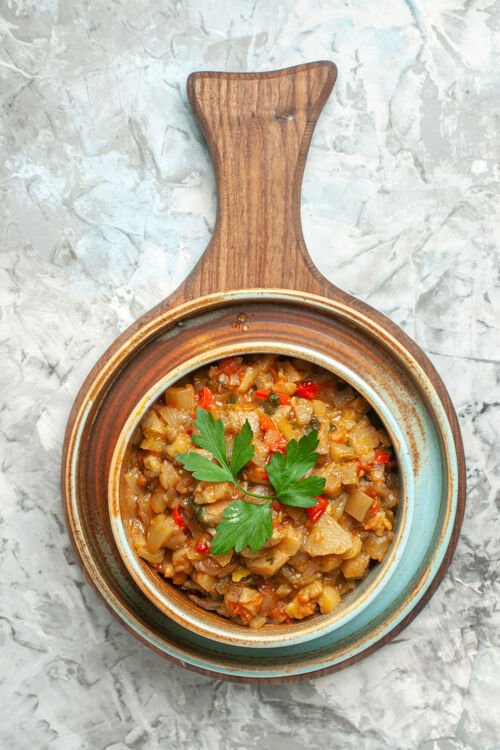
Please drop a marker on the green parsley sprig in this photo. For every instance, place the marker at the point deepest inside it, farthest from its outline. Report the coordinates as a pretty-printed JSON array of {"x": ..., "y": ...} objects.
[{"x": 244, "y": 523}]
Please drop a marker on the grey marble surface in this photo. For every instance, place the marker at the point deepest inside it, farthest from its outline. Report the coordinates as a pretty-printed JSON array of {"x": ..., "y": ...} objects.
[{"x": 106, "y": 202}]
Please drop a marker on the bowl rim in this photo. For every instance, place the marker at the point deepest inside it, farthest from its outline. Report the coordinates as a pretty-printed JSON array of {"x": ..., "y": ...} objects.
[{"x": 213, "y": 626}]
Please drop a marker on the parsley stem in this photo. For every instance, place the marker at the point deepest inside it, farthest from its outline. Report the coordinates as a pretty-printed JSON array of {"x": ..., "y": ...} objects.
[{"x": 261, "y": 497}]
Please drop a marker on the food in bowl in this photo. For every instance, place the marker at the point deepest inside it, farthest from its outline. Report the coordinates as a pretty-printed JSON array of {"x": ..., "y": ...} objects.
[{"x": 264, "y": 488}]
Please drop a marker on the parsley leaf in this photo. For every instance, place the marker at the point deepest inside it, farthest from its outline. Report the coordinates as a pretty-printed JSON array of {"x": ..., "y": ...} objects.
[
  {"x": 285, "y": 471},
  {"x": 242, "y": 450},
  {"x": 303, "y": 494},
  {"x": 211, "y": 436},
  {"x": 243, "y": 524},
  {"x": 204, "y": 469}
]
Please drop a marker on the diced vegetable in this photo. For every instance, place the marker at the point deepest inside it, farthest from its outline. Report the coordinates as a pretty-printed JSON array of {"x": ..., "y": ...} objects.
[
  {"x": 356, "y": 567},
  {"x": 168, "y": 475},
  {"x": 358, "y": 504},
  {"x": 363, "y": 436},
  {"x": 211, "y": 492},
  {"x": 303, "y": 410},
  {"x": 151, "y": 557},
  {"x": 329, "y": 599},
  {"x": 157, "y": 445},
  {"x": 355, "y": 548},
  {"x": 342, "y": 452},
  {"x": 277, "y": 556},
  {"x": 349, "y": 472},
  {"x": 287, "y": 430},
  {"x": 248, "y": 380},
  {"x": 327, "y": 538},
  {"x": 240, "y": 573},
  {"x": 153, "y": 426},
  {"x": 181, "y": 444},
  {"x": 181, "y": 398},
  {"x": 377, "y": 546},
  {"x": 164, "y": 531},
  {"x": 290, "y": 372}
]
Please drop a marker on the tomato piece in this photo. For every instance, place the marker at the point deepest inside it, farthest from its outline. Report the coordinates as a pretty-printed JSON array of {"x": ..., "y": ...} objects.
[
  {"x": 266, "y": 423},
  {"x": 317, "y": 510},
  {"x": 201, "y": 547},
  {"x": 371, "y": 492},
  {"x": 228, "y": 366},
  {"x": 238, "y": 609},
  {"x": 307, "y": 389},
  {"x": 280, "y": 445},
  {"x": 374, "y": 509},
  {"x": 178, "y": 519},
  {"x": 206, "y": 399},
  {"x": 277, "y": 612},
  {"x": 381, "y": 457}
]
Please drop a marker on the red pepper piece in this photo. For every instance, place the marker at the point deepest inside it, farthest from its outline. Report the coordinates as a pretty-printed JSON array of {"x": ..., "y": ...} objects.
[
  {"x": 374, "y": 509},
  {"x": 206, "y": 399},
  {"x": 317, "y": 510},
  {"x": 371, "y": 492},
  {"x": 178, "y": 519},
  {"x": 307, "y": 389},
  {"x": 284, "y": 398},
  {"x": 201, "y": 547},
  {"x": 266, "y": 423},
  {"x": 381, "y": 457},
  {"x": 364, "y": 467},
  {"x": 261, "y": 395}
]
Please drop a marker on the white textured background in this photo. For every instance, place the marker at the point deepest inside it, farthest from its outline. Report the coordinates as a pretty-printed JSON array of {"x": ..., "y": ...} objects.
[{"x": 106, "y": 202}]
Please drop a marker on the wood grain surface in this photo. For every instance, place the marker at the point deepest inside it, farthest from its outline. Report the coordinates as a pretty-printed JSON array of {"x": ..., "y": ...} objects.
[{"x": 258, "y": 128}]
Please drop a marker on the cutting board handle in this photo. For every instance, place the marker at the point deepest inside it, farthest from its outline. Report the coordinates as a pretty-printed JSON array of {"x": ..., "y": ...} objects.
[{"x": 258, "y": 127}]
